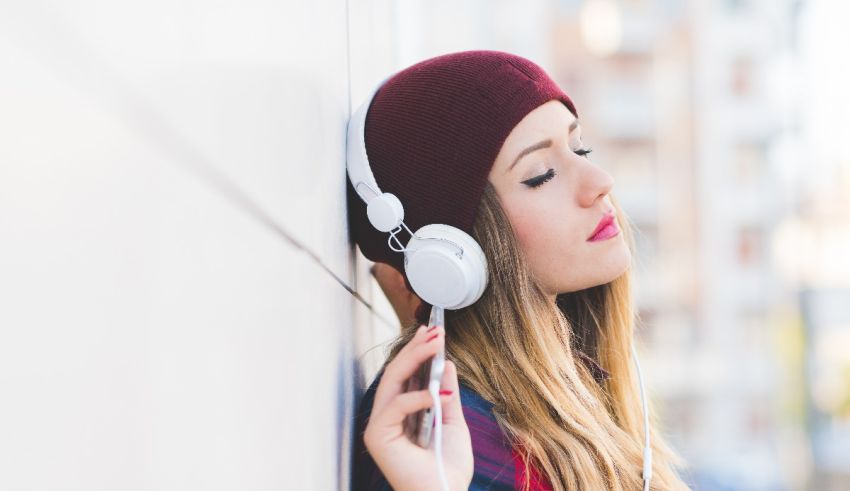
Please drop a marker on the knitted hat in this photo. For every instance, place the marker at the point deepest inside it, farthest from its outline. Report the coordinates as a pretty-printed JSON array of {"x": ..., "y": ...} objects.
[{"x": 432, "y": 134}]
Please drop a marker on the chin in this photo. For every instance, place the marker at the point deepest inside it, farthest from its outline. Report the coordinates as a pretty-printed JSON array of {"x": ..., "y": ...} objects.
[
  {"x": 620, "y": 262},
  {"x": 609, "y": 276},
  {"x": 610, "y": 267},
  {"x": 614, "y": 266}
]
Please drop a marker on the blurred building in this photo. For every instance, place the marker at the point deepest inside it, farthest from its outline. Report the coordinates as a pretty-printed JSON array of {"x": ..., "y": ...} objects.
[
  {"x": 678, "y": 105},
  {"x": 813, "y": 244}
]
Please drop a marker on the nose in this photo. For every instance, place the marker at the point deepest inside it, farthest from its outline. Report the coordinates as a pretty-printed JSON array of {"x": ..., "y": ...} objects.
[{"x": 596, "y": 184}]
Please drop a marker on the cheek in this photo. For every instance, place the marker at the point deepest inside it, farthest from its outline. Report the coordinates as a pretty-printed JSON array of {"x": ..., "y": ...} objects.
[
  {"x": 527, "y": 226},
  {"x": 542, "y": 233}
]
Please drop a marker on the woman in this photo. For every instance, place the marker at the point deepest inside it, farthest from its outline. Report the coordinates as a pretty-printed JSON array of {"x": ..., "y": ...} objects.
[{"x": 485, "y": 141}]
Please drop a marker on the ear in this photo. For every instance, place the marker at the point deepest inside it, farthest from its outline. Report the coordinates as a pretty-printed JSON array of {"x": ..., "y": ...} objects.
[
  {"x": 390, "y": 278},
  {"x": 403, "y": 301}
]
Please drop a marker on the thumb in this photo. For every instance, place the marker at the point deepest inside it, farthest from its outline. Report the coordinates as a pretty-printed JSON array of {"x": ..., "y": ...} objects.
[{"x": 452, "y": 410}]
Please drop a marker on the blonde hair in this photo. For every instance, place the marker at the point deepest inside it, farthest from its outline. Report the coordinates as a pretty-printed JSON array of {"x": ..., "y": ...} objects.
[{"x": 515, "y": 349}]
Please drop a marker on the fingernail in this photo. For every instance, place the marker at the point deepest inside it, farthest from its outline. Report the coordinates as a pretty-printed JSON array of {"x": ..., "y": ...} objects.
[
  {"x": 431, "y": 328},
  {"x": 433, "y": 337},
  {"x": 445, "y": 392}
]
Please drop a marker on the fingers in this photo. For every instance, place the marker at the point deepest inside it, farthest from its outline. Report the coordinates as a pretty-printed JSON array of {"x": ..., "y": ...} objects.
[
  {"x": 417, "y": 351},
  {"x": 383, "y": 420},
  {"x": 452, "y": 409}
]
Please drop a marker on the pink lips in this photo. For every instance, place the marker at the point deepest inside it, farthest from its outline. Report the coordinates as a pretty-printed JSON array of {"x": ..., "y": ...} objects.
[{"x": 606, "y": 228}]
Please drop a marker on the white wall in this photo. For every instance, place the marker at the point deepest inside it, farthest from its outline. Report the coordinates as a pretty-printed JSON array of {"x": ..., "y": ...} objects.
[{"x": 157, "y": 328}]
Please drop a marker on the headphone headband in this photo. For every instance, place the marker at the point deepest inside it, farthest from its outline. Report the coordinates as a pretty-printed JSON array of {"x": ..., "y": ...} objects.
[{"x": 357, "y": 161}]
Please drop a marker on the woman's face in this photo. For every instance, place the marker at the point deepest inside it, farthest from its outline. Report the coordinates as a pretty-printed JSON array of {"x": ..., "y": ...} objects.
[{"x": 555, "y": 220}]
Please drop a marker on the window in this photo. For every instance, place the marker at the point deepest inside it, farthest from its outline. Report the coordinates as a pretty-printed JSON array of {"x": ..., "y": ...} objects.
[
  {"x": 749, "y": 162},
  {"x": 750, "y": 243},
  {"x": 741, "y": 76}
]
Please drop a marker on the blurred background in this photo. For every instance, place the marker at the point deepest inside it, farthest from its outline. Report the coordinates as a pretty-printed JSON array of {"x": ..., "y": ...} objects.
[{"x": 176, "y": 307}]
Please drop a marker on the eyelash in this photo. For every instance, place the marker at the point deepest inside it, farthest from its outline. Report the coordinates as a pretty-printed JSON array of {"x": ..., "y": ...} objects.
[
  {"x": 539, "y": 180},
  {"x": 584, "y": 151}
]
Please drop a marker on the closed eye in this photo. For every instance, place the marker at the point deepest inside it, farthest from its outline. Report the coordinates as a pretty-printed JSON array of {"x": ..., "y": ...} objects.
[{"x": 537, "y": 181}]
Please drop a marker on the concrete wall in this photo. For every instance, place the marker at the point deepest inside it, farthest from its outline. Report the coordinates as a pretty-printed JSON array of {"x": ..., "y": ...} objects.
[{"x": 161, "y": 166}]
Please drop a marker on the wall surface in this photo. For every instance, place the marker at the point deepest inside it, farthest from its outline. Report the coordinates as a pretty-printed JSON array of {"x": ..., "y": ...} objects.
[{"x": 162, "y": 165}]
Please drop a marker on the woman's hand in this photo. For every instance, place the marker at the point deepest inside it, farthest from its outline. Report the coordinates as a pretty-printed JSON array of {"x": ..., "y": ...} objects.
[{"x": 407, "y": 466}]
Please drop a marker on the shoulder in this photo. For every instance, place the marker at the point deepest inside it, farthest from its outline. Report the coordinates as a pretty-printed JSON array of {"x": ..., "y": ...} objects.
[
  {"x": 365, "y": 474},
  {"x": 495, "y": 465}
]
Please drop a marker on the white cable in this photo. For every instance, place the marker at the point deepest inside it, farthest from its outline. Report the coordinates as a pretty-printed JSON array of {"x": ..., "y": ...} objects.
[
  {"x": 434, "y": 389},
  {"x": 647, "y": 451}
]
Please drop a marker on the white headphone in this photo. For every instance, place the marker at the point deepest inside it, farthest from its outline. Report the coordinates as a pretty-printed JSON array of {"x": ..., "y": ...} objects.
[{"x": 445, "y": 265}]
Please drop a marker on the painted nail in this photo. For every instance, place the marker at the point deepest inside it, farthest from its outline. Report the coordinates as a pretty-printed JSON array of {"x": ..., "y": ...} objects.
[
  {"x": 433, "y": 337},
  {"x": 431, "y": 328},
  {"x": 445, "y": 392}
]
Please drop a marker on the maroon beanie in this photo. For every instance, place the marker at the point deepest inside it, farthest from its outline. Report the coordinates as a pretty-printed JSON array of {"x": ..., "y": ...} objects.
[{"x": 432, "y": 133}]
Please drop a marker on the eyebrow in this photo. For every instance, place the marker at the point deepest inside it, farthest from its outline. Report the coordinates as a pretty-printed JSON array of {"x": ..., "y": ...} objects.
[{"x": 541, "y": 144}]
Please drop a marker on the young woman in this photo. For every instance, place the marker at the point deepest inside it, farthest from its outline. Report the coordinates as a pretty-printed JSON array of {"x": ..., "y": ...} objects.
[{"x": 485, "y": 141}]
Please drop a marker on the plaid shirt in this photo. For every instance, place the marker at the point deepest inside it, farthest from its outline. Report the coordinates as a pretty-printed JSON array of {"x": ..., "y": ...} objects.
[{"x": 497, "y": 466}]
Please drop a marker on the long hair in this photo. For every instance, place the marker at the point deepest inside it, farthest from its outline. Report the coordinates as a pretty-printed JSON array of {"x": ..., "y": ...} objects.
[{"x": 517, "y": 350}]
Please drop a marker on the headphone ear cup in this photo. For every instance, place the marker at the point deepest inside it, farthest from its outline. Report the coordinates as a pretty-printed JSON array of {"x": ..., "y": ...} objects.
[{"x": 436, "y": 272}]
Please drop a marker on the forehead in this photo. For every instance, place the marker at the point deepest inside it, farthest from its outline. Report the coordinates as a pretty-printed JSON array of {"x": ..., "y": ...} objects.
[
  {"x": 543, "y": 118},
  {"x": 550, "y": 120},
  {"x": 547, "y": 120}
]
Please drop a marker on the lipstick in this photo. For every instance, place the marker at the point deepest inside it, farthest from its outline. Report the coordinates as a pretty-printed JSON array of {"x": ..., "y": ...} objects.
[{"x": 606, "y": 228}]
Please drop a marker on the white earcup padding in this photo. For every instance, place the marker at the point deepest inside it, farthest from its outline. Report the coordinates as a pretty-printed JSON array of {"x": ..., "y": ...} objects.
[{"x": 435, "y": 272}]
